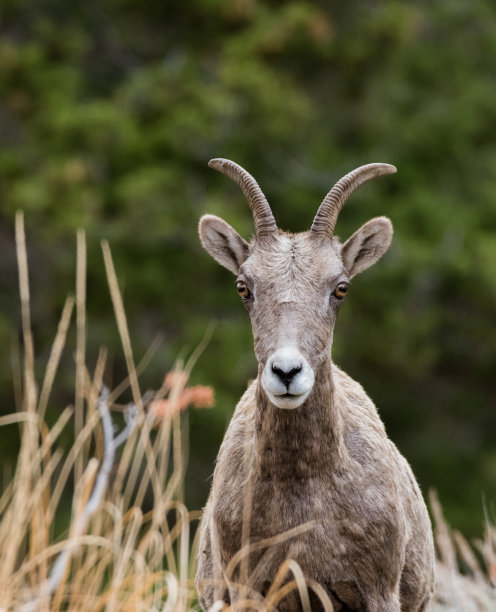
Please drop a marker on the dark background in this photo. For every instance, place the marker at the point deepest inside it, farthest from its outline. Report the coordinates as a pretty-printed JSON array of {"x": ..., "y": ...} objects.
[{"x": 109, "y": 113}]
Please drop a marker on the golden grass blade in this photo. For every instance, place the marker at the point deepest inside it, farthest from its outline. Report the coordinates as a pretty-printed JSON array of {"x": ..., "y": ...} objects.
[
  {"x": 15, "y": 517},
  {"x": 266, "y": 543},
  {"x": 468, "y": 556},
  {"x": 19, "y": 417},
  {"x": 80, "y": 345},
  {"x": 321, "y": 594},
  {"x": 128, "y": 353},
  {"x": 161, "y": 447},
  {"x": 292, "y": 566},
  {"x": 22, "y": 262},
  {"x": 86, "y": 540},
  {"x": 442, "y": 533},
  {"x": 272, "y": 601},
  {"x": 137, "y": 452},
  {"x": 150, "y": 475},
  {"x": 16, "y": 365},
  {"x": 248, "y": 604},
  {"x": 121, "y": 319},
  {"x": 140, "y": 368},
  {"x": 69, "y": 463},
  {"x": 55, "y": 354},
  {"x": 195, "y": 355},
  {"x": 124, "y": 558},
  {"x": 489, "y": 540},
  {"x": 194, "y": 516}
]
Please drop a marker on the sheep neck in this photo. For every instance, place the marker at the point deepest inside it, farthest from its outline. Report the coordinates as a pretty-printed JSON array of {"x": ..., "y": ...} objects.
[{"x": 302, "y": 443}]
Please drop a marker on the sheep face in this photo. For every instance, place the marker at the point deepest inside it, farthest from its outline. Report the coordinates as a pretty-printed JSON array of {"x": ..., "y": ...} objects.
[
  {"x": 292, "y": 286},
  {"x": 292, "y": 280}
]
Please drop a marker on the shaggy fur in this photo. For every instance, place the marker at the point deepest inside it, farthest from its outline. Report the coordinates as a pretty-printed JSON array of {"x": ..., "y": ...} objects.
[{"x": 327, "y": 463}]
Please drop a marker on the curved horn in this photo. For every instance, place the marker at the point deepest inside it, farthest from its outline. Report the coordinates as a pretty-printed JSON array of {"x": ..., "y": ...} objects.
[
  {"x": 262, "y": 215},
  {"x": 327, "y": 215}
]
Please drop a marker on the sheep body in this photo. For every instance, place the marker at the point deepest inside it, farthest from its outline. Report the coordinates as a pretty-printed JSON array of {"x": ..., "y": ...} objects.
[{"x": 361, "y": 492}]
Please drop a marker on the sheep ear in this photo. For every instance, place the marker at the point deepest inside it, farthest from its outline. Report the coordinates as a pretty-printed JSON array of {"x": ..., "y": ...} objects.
[
  {"x": 223, "y": 242},
  {"x": 367, "y": 245}
]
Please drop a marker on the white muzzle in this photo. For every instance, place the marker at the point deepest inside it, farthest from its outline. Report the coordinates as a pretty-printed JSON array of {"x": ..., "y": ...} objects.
[{"x": 287, "y": 378}]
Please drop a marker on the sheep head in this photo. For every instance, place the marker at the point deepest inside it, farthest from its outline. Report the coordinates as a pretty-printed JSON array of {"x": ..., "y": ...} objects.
[{"x": 293, "y": 285}]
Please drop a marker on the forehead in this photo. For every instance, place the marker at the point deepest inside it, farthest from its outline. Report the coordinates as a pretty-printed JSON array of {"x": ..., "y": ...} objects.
[{"x": 288, "y": 255}]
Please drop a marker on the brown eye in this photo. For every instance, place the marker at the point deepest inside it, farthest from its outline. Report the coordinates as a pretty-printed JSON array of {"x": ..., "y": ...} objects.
[
  {"x": 243, "y": 290},
  {"x": 340, "y": 291}
]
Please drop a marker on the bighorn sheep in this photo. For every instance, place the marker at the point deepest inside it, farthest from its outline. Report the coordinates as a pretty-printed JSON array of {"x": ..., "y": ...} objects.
[{"x": 305, "y": 444}]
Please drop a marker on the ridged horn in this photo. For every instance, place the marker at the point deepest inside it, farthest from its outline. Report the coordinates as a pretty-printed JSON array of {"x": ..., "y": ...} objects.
[
  {"x": 327, "y": 215},
  {"x": 262, "y": 215}
]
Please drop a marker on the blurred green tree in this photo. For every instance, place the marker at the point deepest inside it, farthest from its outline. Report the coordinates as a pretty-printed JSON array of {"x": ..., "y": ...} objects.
[{"x": 108, "y": 115}]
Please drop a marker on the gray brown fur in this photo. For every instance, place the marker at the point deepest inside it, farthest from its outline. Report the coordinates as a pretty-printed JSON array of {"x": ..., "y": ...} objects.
[{"x": 327, "y": 461}]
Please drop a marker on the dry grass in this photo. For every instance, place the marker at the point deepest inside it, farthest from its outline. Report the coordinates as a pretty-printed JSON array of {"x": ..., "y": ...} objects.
[
  {"x": 465, "y": 574},
  {"x": 129, "y": 545}
]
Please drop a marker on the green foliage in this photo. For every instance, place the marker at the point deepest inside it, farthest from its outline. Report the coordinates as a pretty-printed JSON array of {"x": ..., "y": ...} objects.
[{"x": 110, "y": 112}]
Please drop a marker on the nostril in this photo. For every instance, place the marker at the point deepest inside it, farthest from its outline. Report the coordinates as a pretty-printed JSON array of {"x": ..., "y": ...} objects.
[
  {"x": 292, "y": 373},
  {"x": 286, "y": 376}
]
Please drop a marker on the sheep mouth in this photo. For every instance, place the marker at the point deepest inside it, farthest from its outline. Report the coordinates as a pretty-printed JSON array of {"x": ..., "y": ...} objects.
[{"x": 288, "y": 401}]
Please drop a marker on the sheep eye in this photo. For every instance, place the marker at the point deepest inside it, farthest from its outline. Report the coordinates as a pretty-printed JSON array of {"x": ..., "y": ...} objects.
[
  {"x": 243, "y": 290},
  {"x": 340, "y": 291}
]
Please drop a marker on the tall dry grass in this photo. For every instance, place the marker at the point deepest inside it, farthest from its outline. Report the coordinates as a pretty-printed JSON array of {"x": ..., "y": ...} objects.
[
  {"x": 128, "y": 546},
  {"x": 465, "y": 573},
  {"x": 129, "y": 543}
]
